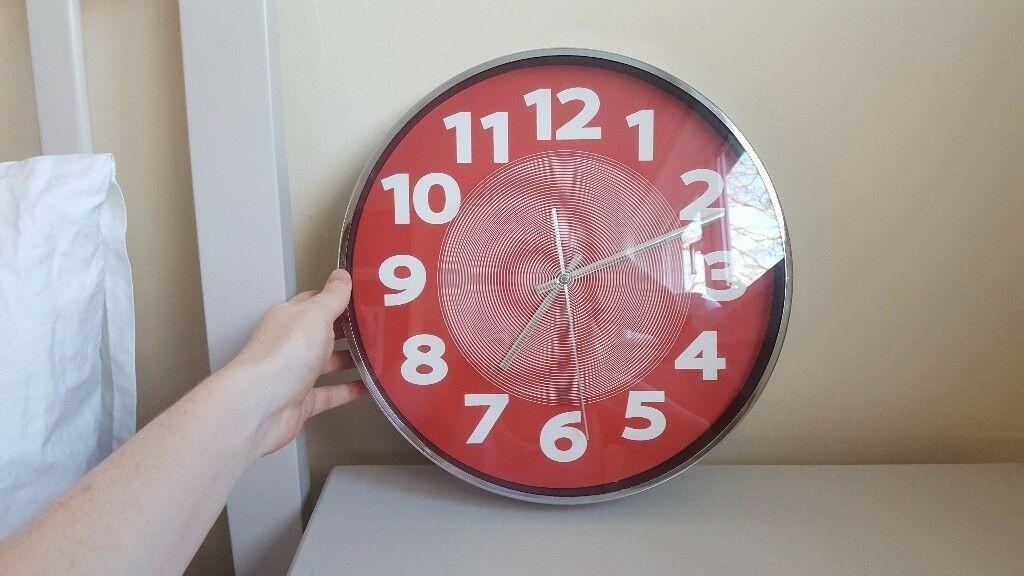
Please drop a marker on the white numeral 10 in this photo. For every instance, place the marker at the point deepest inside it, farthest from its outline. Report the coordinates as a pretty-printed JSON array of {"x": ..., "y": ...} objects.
[
  {"x": 462, "y": 123},
  {"x": 409, "y": 286},
  {"x": 702, "y": 354},
  {"x": 558, "y": 428},
  {"x": 399, "y": 184}
]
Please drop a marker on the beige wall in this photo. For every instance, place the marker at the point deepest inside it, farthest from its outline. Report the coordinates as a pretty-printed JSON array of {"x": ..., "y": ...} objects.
[{"x": 893, "y": 134}]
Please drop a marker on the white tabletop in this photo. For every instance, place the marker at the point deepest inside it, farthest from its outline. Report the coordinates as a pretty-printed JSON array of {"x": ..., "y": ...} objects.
[{"x": 766, "y": 520}]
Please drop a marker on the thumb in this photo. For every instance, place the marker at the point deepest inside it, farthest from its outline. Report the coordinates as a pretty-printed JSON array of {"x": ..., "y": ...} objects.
[{"x": 334, "y": 297}]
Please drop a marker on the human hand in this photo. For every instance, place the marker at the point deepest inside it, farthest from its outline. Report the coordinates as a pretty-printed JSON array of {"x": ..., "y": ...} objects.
[{"x": 291, "y": 347}]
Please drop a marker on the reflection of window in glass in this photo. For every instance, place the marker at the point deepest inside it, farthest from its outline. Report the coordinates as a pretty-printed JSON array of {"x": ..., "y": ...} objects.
[{"x": 755, "y": 237}]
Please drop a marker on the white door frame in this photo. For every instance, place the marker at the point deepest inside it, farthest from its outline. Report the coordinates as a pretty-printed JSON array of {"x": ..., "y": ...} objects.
[{"x": 243, "y": 223}]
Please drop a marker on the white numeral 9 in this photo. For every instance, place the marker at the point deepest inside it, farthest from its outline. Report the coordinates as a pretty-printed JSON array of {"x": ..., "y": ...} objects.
[
  {"x": 399, "y": 184},
  {"x": 635, "y": 409},
  {"x": 431, "y": 358},
  {"x": 702, "y": 354},
  {"x": 495, "y": 403},
  {"x": 558, "y": 428},
  {"x": 701, "y": 207},
  {"x": 409, "y": 286}
]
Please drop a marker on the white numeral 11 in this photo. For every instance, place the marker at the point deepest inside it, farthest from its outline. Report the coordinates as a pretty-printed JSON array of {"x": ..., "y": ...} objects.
[{"x": 462, "y": 123}]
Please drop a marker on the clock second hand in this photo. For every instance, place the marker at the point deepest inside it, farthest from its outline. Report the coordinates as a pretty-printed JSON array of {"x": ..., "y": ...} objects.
[
  {"x": 565, "y": 278},
  {"x": 614, "y": 258}
]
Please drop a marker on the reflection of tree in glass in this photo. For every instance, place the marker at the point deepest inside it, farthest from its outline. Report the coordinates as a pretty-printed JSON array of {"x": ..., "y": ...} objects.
[{"x": 754, "y": 235}]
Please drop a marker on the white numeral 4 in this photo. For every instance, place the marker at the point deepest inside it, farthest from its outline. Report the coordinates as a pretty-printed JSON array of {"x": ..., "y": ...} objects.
[
  {"x": 635, "y": 408},
  {"x": 702, "y": 354},
  {"x": 409, "y": 286},
  {"x": 558, "y": 428},
  {"x": 431, "y": 357},
  {"x": 399, "y": 184},
  {"x": 576, "y": 128},
  {"x": 496, "y": 404}
]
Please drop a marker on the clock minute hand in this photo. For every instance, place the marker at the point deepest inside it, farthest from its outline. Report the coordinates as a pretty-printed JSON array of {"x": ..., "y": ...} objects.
[
  {"x": 606, "y": 262},
  {"x": 534, "y": 321}
]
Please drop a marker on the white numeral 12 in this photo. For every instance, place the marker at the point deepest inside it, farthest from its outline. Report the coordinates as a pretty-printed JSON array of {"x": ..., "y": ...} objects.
[
  {"x": 702, "y": 354},
  {"x": 495, "y": 403}
]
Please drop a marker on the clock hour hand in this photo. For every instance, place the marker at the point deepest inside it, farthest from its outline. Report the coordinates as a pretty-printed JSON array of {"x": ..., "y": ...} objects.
[
  {"x": 534, "y": 321},
  {"x": 627, "y": 253}
]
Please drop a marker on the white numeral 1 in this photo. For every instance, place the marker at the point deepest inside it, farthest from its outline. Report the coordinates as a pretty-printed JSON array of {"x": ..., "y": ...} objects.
[
  {"x": 644, "y": 121},
  {"x": 495, "y": 403},
  {"x": 498, "y": 124},
  {"x": 702, "y": 354},
  {"x": 541, "y": 98}
]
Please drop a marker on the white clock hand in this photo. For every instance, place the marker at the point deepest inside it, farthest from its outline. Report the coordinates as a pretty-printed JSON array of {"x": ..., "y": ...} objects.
[
  {"x": 531, "y": 325},
  {"x": 606, "y": 262},
  {"x": 565, "y": 279}
]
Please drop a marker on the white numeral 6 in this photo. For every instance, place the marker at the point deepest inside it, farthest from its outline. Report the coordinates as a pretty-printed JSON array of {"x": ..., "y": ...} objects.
[{"x": 558, "y": 428}]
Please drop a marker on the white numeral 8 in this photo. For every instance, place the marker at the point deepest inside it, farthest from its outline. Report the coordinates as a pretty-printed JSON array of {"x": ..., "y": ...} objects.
[
  {"x": 431, "y": 358},
  {"x": 409, "y": 286}
]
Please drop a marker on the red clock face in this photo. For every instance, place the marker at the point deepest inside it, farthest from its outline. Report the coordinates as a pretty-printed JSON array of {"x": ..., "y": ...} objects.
[{"x": 570, "y": 276}]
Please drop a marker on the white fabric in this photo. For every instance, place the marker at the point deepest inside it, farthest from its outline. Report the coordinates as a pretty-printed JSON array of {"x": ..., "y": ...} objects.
[{"x": 67, "y": 328}]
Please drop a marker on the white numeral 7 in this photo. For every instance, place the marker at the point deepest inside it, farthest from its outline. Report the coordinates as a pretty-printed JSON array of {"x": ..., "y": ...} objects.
[{"x": 496, "y": 404}]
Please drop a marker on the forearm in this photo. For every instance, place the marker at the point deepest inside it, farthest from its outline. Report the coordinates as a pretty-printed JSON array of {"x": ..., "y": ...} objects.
[{"x": 146, "y": 509}]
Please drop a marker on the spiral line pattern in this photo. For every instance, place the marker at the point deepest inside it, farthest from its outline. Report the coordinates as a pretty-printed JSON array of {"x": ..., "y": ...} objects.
[{"x": 502, "y": 244}]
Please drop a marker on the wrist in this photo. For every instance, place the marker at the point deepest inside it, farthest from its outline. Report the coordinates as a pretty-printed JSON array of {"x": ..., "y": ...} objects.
[{"x": 241, "y": 416}]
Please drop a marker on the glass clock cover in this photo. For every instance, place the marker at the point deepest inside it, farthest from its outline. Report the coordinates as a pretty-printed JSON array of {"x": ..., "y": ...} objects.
[{"x": 570, "y": 276}]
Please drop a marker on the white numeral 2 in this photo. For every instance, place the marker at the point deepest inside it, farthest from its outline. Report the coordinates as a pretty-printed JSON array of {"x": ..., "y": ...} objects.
[
  {"x": 431, "y": 358},
  {"x": 399, "y": 184},
  {"x": 701, "y": 207},
  {"x": 495, "y": 403},
  {"x": 635, "y": 409},
  {"x": 702, "y": 354},
  {"x": 576, "y": 128}
]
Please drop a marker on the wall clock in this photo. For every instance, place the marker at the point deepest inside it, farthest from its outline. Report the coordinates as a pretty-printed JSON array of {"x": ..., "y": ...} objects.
[{"x": 571, "y": 276}]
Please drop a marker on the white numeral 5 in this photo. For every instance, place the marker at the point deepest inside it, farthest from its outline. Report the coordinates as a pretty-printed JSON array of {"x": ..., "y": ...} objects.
[
  {"x": 558, "y": 428},
  {"x": 399, "y": 184},
  {"x": 635, "y": 409},
  {"x": 410, "y": 286},
  {"x": 496, "y": 404},
  {"x": 702, "y": 354}
]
